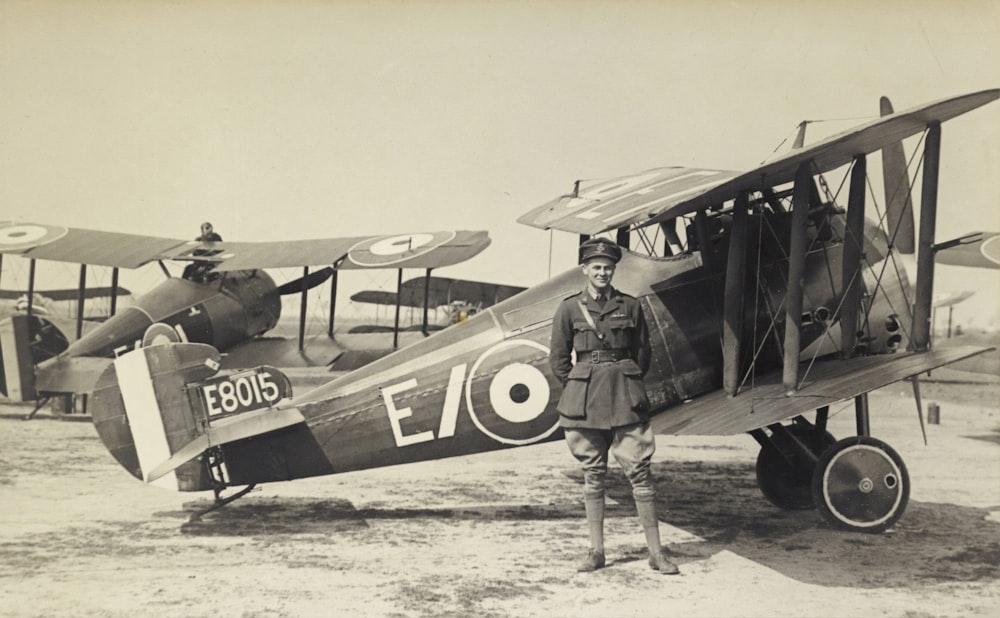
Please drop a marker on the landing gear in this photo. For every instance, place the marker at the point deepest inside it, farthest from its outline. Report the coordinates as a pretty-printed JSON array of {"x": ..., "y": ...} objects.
[
  {"x": 860, "y": 484},
  {"x": 785, "y": 471}
]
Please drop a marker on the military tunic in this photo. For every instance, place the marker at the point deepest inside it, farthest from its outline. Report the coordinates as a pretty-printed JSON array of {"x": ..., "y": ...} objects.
[{"x": 604, "y": 388}]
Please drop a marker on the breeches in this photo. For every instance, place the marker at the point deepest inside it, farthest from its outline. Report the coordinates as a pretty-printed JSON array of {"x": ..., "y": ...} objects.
[{"x": 632, "y": 446}]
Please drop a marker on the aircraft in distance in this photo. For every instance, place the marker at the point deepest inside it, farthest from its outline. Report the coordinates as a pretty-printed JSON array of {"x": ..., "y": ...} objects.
[
  {"x": 458, "y": 299},
  {"x": 47, "y": 302},
  {"x": 224, "y": 299},
  {"x": 779, "y": 301}
]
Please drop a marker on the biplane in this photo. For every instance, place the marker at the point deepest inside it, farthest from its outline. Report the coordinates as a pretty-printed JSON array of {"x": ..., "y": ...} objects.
[
  {"x": 224, "y": 298},
  {"x": 779, "y": 301},
  {"x": 53, "y": 302},
  {"x": 457, "y": 299}
]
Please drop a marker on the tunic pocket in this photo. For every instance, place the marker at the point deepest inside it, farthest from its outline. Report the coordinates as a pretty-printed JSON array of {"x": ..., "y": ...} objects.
[
  {"x": 635, "y": 387},
  {"x": 573, "y": 402}
]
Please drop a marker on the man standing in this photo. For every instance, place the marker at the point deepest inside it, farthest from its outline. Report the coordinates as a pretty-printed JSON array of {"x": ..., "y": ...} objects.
[{"x": 604, "y": 407}]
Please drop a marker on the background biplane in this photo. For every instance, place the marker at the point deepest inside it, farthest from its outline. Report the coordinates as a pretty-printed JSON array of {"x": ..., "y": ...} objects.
[
  {"x": 56, "y": 302},
  {"x": 778, "y": 302},
  {"x": 224, "y": 299},
  {"x": 457, "y": 299}
]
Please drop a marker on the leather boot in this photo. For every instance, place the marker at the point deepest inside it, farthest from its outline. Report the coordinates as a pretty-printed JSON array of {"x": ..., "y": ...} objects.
[
  {"x": 658, "y": 560},
  {"x": 595, "y": 525}
]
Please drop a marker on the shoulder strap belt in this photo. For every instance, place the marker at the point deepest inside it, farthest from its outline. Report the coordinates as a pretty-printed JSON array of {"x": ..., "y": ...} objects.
[{"x": 590, "y": 320}]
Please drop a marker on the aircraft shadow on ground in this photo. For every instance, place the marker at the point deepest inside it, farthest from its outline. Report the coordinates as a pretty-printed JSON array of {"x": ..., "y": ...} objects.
[
  {"x": 720, "y": 503},
  {"x": 932, "y": 543},
  {"x": 254, "y": 516}
]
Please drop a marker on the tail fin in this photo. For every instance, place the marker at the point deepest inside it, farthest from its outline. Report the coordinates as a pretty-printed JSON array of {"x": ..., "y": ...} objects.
[
  {"x": 25, "y": 341},
  {"x": 158, "y": 408}
]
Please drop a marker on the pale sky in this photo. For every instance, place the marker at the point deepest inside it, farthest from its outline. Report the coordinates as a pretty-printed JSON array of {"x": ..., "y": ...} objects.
[{"x": 282, "y": 120}]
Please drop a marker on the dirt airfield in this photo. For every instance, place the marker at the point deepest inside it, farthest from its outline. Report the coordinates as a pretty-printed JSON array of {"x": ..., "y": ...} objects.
[{"x": 499, "y": 534}]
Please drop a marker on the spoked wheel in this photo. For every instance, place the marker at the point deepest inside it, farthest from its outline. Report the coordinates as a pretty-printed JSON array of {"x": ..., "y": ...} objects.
[
  {"x": 860, "y": 484},
  {"x": 788, "y": 485}
]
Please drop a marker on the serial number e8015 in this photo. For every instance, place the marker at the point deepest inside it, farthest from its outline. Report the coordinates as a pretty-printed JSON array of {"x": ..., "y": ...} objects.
[{"x": 241, "y": 392}]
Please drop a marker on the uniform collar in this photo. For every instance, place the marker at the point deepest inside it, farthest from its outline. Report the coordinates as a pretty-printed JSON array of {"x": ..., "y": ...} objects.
[
  {"x": 610, "y": 293},
  {"x": 613, "y": 303}
]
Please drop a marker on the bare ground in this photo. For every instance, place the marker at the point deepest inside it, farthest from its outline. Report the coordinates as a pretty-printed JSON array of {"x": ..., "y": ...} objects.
[{"x": 499, "y": 534}]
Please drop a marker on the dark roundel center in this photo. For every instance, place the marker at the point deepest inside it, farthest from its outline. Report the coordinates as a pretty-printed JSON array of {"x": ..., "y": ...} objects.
[{"x": 519, "y": 393}]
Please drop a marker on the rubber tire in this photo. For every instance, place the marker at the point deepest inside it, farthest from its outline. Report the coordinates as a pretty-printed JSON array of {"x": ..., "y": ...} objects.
[{"x": 861, "y": 484}]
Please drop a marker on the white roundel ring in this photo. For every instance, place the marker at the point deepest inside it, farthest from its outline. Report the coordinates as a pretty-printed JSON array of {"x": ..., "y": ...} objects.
[
  {"x": 23, "y": 236},
  {"x": 991, "y": 249},
  {"x": 518, "y": 394},
  {"x": 388, "y": 250}
]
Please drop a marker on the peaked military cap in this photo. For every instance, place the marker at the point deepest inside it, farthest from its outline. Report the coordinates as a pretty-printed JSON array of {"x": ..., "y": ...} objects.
[{"x": 599, "y": 247}]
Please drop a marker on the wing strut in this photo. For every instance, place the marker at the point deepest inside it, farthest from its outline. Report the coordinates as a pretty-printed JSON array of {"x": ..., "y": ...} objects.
[
  {"x": 622, "y": 237},
  {"x": 704, "y": 242},
  {"x": 732, "y": 335},
  {"x": 427, "y": 293},
  {"x": 114, "y": 290},
  {"x": 399, "y": 297},
  {"x": 796, "y": 273},
  {"x": 80, "y": 300},
  {"x": 31, "y": 284},
  {"x": 333, "y": 302},
  {"x": 924, "y": 294},
  {"x": 302, "y": 307},
  {"x": 851, "y": 261}
]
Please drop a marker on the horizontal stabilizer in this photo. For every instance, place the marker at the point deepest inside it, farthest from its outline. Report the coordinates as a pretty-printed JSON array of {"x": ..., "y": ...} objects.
[{"x": 228, "y": 430}]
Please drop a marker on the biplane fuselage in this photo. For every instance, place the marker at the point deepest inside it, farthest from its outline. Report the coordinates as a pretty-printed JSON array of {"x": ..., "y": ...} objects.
[
  {"x": 486, "y": 383},
  {"x": 222, "y": 312}
]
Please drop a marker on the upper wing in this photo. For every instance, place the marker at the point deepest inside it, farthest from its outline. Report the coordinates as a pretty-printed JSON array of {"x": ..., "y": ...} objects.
[
  {"x": 82, "y": 246},
  {"x": 665, "y": 193},
  {"x": 983, "y": 252},
  {"x": 828, "y": 381}
]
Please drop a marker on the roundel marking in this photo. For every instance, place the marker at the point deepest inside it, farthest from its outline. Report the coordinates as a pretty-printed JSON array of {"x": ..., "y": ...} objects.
[
  {"x": 991, "y": 249},
  {"x": 159, "y": 334},
  {"x": 519, "y": 393},
  {"x": 386, "y": 250},
  {"x": 518, "y": 396},
  {"x": 28, "y": 235}
]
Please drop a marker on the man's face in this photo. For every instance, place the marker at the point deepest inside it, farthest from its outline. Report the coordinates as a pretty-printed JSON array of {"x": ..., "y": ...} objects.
[
  {"x": 599, "y": 272},
  {"x": 206, "y": 229}
]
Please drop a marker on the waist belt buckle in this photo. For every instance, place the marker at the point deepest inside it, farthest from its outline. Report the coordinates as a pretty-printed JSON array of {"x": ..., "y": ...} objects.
[{"x": 595, "y": 356}]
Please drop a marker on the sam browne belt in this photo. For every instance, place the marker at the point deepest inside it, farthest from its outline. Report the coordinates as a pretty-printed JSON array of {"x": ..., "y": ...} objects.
[{"x": 602, "y": 356}]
